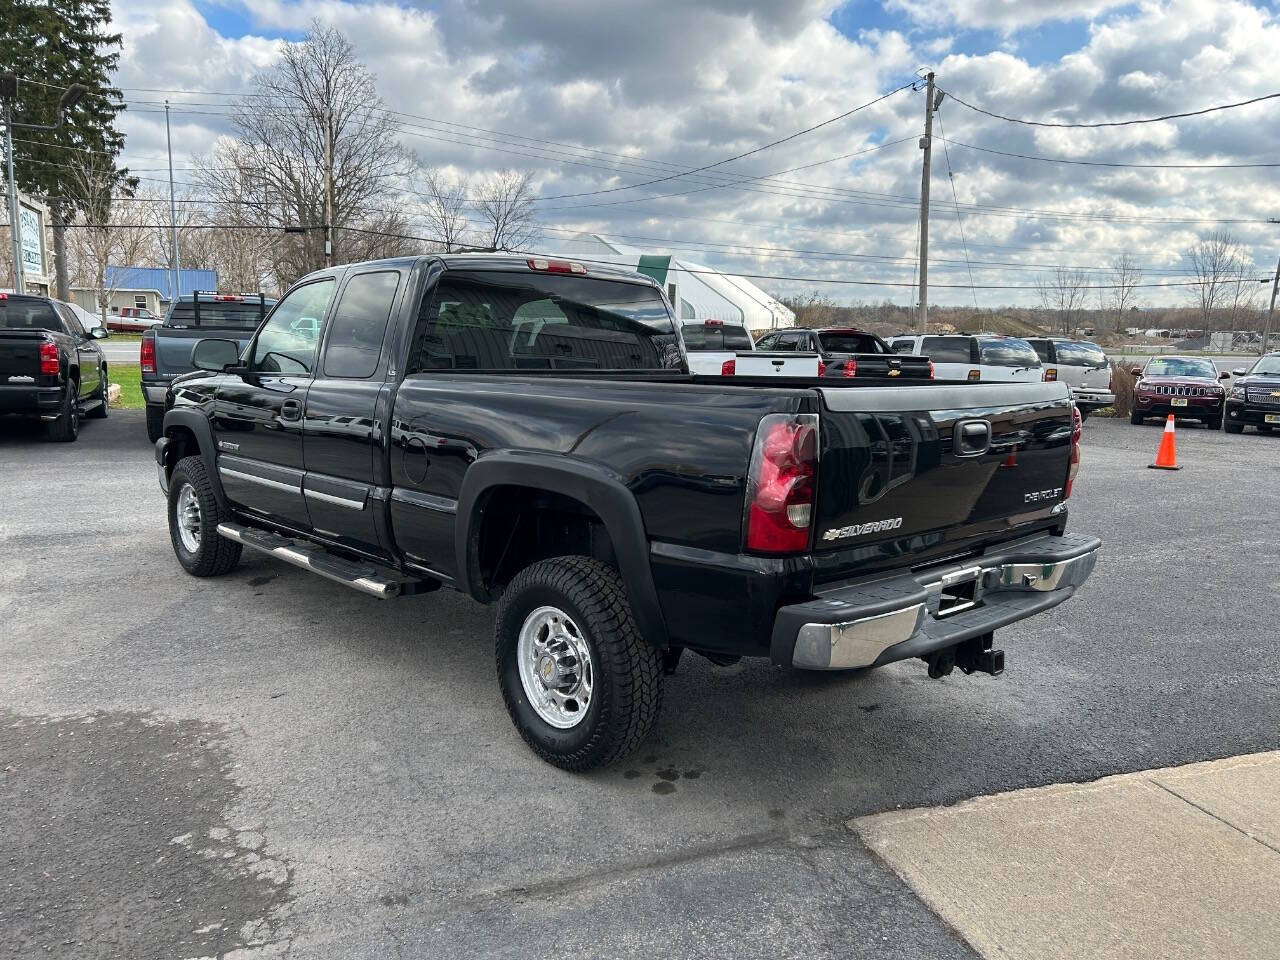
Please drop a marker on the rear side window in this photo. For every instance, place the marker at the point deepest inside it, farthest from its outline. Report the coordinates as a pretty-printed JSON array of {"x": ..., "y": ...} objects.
[
  {"x": 947, "y": 349},
  {"x": 902, "y": 346},
  {"x": 1007, "y": 352},
  {"x": 715, "y": 336},
  {"x": 513, "y": 320},
  {"x": 359, "y": 325},
  {"x": 1081, "y": 355},
  {"x": 21, "y": 313}
]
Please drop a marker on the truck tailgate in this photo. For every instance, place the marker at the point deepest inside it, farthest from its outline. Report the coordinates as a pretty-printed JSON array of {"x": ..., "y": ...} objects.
[
  {"x": 778, "y": 363},
  {"x": 915, "y": 468},
  {"x": 20, "y": 354}
]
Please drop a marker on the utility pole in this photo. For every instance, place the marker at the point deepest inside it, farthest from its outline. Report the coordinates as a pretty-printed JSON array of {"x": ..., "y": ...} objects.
[
  {"x": 176, "y": 291},
  {"x": 328, "y": 185},
  {"x": 15, "y": 227},
  {"x": 1266, "y": 331},
  {"x": 926, "y": 144}
]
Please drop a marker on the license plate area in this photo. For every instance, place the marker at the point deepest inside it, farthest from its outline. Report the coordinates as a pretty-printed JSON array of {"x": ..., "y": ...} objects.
[
  {"x": 1271, "y": 418},
  {"x": 958, "y": 592},
  {"x": 1178, "y": 402}
]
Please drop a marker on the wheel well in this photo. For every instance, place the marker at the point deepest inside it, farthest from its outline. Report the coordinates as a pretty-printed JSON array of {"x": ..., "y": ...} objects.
[
  {"x": 522, "y": 525},
  {"x": 182, "y": 443}
]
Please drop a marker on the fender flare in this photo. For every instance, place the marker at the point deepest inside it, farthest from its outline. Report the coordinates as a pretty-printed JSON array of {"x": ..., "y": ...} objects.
[
  {"x": 196, "y": 421},
  {"x": 591, "y": 485}
]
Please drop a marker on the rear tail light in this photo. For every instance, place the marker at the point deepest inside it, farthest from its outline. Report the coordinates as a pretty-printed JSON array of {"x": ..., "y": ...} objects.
[
  {"x": 931, "y": 370},
  {"x": 850, "y": 369},
  {"x": 728, "y": 368},
  {"x": 975, "y": 374},
  {"x": 1077, "y": 427},
  {"x": 49, "y": 359},
  {"x": 822, "y": 368},
  {"x": 555, "y": 266},
  {"x": 781, "y": 483},
  {"x": 1050, "y": 374},
  {"x": 228, "y": 298},
  {"x": 147, "y": 353}
]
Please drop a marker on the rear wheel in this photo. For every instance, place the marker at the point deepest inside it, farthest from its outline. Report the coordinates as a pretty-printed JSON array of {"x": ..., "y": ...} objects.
[
  {"x": 67, "y": 427},
  {"x": 100, "y": 411},
  {"x": 1234, "y": 427},
  {"x": 194, "y": 515},
  {"x": 155, "y": 422},
  {"x": 582, "y": 685}
]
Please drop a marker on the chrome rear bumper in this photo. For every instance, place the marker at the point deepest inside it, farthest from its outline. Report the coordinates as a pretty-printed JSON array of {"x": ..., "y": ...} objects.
[{"x": 908, "y": 615}]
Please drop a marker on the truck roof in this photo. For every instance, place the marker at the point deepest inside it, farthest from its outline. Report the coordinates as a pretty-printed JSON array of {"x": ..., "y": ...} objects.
[{"x": 505, "y": 261}]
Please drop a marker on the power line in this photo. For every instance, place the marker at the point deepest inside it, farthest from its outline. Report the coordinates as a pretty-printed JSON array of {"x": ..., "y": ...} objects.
[
  {"x": 1112, "y": 123},
  {"x": 959, "y": 225},
  {"x": 1105, "y": 163}
]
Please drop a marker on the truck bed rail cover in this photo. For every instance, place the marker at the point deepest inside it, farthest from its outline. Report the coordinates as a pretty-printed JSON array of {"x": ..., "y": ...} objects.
[{"x": 941, "y": 396}]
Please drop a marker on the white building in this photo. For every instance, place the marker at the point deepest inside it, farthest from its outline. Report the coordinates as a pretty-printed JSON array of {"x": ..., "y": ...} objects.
[{"x": 695, "y": 290}]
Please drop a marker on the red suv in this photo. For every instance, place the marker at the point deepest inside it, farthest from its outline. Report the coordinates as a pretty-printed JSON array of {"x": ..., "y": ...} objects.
[{"x": 1184, "y": 386}]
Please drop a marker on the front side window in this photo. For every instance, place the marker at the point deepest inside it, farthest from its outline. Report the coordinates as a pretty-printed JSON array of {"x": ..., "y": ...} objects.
[
  {"x": 766, "y": 343},
  {"x": 287, "y": 343},
  {"x": 509, "y": 320},
  {"x": 1007, "y": 352},
  {"x": 359, "y": 325}
]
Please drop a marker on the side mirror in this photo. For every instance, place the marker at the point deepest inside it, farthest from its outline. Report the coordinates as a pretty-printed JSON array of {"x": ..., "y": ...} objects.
[
  {"x": 99, "y": 333},
  {"x": 1224, "y": 375},
  {"x": 1239, "y": 372},
  {"x": 215, "y": 355},
  {"x": 1136, "y": 371}
]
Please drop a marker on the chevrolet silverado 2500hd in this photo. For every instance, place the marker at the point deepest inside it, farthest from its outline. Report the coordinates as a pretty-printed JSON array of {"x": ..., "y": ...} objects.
[{"x": 391, "y": 426}]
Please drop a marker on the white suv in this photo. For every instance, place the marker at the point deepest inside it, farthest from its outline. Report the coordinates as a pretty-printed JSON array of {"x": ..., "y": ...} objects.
[
  {"x": 984, "y": 356},
  {"x": 1082, "y": 366}
]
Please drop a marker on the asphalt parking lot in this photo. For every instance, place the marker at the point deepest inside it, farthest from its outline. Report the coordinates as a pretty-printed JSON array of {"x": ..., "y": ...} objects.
[{"x": 267, "y": 765}]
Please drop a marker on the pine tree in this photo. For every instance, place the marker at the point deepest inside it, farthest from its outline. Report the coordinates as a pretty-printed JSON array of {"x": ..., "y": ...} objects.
[{"x": 49, "y": 45}]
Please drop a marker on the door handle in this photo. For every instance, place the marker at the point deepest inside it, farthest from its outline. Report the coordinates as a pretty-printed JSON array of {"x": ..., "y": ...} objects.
[{"x": 291, "y": 410}]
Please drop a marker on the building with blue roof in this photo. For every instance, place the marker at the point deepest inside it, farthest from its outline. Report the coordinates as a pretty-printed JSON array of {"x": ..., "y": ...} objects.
[{"x": 143, "y": 288}]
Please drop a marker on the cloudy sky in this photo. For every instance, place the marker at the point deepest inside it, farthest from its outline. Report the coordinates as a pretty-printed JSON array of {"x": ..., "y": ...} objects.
[{"x": 595, "y": 96}]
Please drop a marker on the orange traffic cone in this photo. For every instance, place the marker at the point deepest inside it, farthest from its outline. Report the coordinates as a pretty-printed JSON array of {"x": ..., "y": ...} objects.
[{"x": 1167, "y": 455}]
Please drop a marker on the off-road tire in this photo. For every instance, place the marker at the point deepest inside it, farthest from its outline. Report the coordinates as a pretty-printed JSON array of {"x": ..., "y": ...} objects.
[
  {"x": 100, "y": 412},
  {"x": 67, "y": 427},
  {"x": 627, "y": 669},
  {"x": 1214, "y": 424},
  {"x": 1136, "y": 418},
  {"x": 155, "y": 422},
  {"x": 1233, "y": 427},
  {"x": 215, "y": 555}
]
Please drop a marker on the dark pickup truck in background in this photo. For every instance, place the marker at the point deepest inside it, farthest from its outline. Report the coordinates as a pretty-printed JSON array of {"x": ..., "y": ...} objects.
[
  {"x": 844, "y": 352},
  {"x": 50, "y": 366},
  {"x": 393, "y": 427},
  {"x": 166, "y": 347}
]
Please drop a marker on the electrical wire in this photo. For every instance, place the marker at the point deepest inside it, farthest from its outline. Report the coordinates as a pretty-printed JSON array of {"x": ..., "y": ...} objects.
[
  {"x": 959, "y": 224},
  {"x": 1110, "y": 123},
  {"x": 1105, "y": 163}
]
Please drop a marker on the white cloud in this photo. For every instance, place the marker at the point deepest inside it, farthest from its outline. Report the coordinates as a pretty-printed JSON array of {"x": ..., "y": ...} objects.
[{"x": 1004, "y": 15}]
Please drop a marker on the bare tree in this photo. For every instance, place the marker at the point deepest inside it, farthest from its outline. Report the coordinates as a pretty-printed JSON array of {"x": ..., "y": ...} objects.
[
  {"x": 445, "y": 208},
  {"x": 504, "y": 202},
  {"x": 1063, "y": 292},
  {"x": 318, "y": 106},
  {"x": 1217, "y": 265},
  {"x": 111, "y": 233},
  {"x": 1121, "y": 296},
  {"x": 813, "y": 309}
]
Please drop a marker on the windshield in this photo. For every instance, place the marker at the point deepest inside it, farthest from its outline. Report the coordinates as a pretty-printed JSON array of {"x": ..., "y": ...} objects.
[
  {"x": 21, "y": 313},
  {"x": 246, "y": 314},
  {"x": 1268, "y": 366},
  {"x": 712, "y": 335},
  {"x": 503, "y": 320},
  {"x": 850, "y": 343},
  {"x": 1007, "y": 352},
  {"x": 1181, "y": 367}
]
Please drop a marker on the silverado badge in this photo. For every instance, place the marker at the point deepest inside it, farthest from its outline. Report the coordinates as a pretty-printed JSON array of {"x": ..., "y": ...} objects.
[{"x": 858, "y": 529}]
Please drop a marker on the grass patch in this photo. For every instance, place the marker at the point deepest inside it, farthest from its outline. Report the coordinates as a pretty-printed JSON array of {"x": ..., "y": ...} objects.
[
  {"x": 125, "y": 337},
  {"x": 129, "y": 376}
]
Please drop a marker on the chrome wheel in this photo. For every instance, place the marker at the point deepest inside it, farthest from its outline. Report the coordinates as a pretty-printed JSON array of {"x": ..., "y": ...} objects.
[
  {"x": 556, "y": 668},
  {"x": 187, "y": 515}
]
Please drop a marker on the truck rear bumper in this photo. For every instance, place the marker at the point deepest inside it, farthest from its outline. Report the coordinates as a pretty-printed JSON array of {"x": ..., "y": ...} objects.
[
  {"x": 31, "y": 399},
  {"x": 913, "y": 614}
]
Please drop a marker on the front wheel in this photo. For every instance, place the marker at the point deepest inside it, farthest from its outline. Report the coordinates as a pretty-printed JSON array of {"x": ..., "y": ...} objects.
[
  {"x": 582, "y": 685},
  {"x": 1135, "y": 418},
  {"x": 194, "y": 515}
]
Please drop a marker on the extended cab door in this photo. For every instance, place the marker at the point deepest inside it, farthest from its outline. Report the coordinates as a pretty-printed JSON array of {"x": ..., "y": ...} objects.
[
  {"x": 257, "y": 415},
  {"x": 346, "y": 485}
]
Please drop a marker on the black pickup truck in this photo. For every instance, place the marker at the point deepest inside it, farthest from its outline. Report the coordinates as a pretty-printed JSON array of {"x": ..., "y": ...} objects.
[
  {"x": 49, "y": 365},
  {"x": 166, "y": 347},
  {"x": 526, "y": 431},
  {"x": 844, "y": 352}
]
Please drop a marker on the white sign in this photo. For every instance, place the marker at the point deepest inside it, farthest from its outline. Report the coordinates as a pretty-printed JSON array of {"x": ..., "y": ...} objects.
[{"x": 32, "y": 227}]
